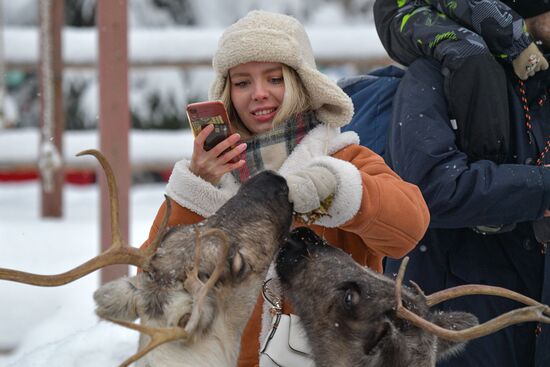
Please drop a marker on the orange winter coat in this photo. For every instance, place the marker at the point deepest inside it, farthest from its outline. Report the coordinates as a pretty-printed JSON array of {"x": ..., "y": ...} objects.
[{"x": 391, "y": 219}]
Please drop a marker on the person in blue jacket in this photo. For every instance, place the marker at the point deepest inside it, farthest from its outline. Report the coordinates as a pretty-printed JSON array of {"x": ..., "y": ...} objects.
[{"x": 489, "y": 221}]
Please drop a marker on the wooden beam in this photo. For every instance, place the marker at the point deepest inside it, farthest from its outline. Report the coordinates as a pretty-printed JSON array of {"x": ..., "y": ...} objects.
[
  {"x": 51, "y": 101},
  {"x": 114, "y": 117}
]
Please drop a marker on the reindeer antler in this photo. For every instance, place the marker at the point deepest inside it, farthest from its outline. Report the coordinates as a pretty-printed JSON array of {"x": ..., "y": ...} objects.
[
  {"x": 163, "y": 335},
  {"x": 526, "y": 314},
  {"x": 121, "y": 253},
  {"x": 478, "y": 289},
  {"x": 117, "y": 253},
  {"x": 158, "y": 336},
  {"x": 194, "y": 283}
]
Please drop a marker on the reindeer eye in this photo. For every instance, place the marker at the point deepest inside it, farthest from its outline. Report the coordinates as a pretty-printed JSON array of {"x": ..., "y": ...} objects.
[
  {"x": 204, "y": 276},
  {"x": 351, "y": 298},
  {"x": 184, "y": 320},
  {"x": 348, "y": 299}
]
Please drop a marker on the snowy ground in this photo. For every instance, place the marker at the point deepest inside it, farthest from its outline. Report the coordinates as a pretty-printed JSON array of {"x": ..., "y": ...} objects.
[{"x": 57, "y": 326}]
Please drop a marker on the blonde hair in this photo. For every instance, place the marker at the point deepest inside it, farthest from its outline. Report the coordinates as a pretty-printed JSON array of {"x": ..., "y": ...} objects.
[{"x": 295, "y": 100}]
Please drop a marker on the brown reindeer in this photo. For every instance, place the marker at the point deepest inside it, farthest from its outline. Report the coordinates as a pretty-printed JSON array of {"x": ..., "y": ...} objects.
[
  {"x": 354, "y": 317},
  {"x": 199, "y": 283}
]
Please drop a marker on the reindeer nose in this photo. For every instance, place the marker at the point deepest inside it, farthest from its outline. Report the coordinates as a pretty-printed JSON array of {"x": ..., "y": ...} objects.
[
  {"x": 292, "y": 253},
  {"x": 294, "y": 246}
]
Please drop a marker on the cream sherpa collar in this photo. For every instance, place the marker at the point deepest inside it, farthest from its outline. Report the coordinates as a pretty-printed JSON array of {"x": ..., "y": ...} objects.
[{"x": 203, "y": 198}]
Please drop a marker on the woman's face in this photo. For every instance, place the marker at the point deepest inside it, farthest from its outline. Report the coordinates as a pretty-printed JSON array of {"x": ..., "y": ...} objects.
[{"x": 257, "y": 91}]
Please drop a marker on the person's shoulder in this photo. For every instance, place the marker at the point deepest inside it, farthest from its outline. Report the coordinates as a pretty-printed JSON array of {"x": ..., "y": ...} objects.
[{"x": 358, "y": 83}]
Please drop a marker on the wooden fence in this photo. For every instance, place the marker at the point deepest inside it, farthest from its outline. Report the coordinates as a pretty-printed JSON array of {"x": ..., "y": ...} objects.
[{"x": 182, "y": 47}]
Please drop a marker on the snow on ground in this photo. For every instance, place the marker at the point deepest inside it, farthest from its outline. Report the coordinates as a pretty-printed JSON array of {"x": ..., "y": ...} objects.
[{"x": 57, "y": 326}]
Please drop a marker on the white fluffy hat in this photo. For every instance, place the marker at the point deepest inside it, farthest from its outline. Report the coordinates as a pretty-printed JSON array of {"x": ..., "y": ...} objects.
[{"x": 270, "y": 37}]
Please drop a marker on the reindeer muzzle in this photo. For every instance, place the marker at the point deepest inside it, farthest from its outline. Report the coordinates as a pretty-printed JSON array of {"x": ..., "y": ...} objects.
[{"x": 300, "y": 244}]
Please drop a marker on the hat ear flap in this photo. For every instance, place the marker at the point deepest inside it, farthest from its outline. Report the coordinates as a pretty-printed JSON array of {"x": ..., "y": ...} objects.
[
  {"x": 452, "y": 321},
  {"x": 216, "y": 88}
]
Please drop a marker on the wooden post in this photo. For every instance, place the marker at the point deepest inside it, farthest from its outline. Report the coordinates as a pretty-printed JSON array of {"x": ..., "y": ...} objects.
[
  {"x": 51, "y": 101},
  {"x": 114, "y": 117}
]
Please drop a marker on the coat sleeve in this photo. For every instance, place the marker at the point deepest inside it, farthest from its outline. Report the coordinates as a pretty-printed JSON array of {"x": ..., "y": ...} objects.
[
  {"x": 392, "y": 216},
  {"x": 460, "y": 194},
  {"x": 178, "y": 216},
  {"x": 449, "y": 31}
]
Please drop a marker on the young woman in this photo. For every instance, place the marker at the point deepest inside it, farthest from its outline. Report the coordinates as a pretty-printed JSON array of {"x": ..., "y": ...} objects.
[{"x": 288, "y": 117}]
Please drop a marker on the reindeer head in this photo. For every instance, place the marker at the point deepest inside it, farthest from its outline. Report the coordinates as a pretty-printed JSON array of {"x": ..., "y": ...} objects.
[
  {"x": 355, "y": 317},
  {"x": 206, "y": 278},
  {"x": 199, "y": 283}
]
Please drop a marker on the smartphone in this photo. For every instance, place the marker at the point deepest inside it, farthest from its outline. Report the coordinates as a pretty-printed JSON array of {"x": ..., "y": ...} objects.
[{"x": 201, "y": 114}]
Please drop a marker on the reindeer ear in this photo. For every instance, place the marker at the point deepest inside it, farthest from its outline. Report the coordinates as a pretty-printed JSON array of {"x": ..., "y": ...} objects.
[
  {"x": 118, "y": 299},
  {"x": 452, "y": 321},
  {"x": 237, "y": 265}
]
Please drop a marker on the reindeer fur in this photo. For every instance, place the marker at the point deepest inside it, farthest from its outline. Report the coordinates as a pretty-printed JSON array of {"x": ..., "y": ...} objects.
[
  {"x": 255, "y": 221},
  {"x": 348, "y": 311}
]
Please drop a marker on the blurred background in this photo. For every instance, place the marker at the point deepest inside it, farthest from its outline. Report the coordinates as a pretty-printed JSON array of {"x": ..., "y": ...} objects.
[
  {"x": 158, "y": 94},
  {"x": 170, "y": 45}
]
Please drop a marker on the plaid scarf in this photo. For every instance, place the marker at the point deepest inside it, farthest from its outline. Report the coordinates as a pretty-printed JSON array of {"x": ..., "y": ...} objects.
[{"x": 269, "y": 150}]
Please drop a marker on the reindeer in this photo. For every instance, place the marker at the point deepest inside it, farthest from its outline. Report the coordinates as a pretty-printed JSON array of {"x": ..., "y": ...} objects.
[
  {"x": 354, "y": 317},
  {"x": 199, "y": 283}
]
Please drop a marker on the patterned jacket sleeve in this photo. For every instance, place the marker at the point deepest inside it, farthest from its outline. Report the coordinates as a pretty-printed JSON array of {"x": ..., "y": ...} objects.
[{"x": 449, "y": 30}]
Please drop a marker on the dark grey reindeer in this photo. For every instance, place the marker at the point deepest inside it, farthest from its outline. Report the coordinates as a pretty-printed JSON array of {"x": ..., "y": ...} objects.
[
  {"x": 199, "y": 283},
  {"x": 354, "y": 317}
]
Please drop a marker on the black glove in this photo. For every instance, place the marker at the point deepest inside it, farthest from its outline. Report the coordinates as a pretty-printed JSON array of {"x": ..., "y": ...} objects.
[{"x": 541, "y": 228}]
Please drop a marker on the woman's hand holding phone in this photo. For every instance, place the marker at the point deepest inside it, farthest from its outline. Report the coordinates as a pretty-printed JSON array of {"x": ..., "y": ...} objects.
[{"x": 212, "y": 164}]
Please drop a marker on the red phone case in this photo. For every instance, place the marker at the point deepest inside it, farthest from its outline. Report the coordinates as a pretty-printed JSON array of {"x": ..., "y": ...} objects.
[{"x": 201, "y": 114}]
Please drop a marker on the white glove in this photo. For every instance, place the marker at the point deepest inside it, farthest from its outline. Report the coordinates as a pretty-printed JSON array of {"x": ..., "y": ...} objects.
[
  {"x": 309, "y": 187},
  {"x": 529, "y": 61}
]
